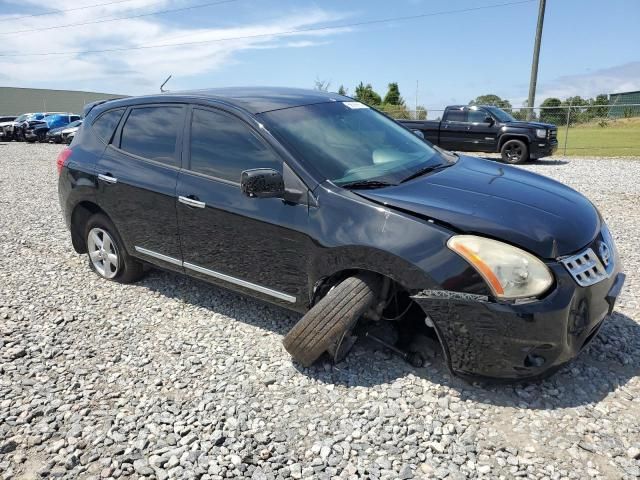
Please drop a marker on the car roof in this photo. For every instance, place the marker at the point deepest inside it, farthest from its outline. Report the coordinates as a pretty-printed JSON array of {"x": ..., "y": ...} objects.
[{"x": 251, "y": 99}]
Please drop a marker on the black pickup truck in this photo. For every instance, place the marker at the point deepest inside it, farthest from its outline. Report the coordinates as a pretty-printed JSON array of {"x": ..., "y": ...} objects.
[{"x": 488, "y": 129}]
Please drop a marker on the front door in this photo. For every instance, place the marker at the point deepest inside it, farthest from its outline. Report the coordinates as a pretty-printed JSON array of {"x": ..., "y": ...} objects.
[
  {"x": 137, "y": 177},
  {"x": 482, "y": 134},
  {"x": 257, "y": 245}
]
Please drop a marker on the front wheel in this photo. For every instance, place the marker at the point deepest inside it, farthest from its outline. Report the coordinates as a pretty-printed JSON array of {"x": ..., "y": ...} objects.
[
  {"x": 514, "y": 151},
  {"x": 336, "y": 313},
  {"x": 107, "y": 255}
]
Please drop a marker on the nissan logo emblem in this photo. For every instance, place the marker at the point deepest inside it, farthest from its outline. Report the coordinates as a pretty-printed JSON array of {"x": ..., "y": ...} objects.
[{"x": 605, "y": 253}]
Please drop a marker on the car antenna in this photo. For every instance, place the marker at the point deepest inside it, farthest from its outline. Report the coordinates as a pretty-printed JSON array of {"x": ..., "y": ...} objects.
[{"x": 162, "y": 90}]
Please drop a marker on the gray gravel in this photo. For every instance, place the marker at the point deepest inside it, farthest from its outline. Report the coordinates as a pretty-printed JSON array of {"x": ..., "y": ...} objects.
[{"x": 172, "y": 378}]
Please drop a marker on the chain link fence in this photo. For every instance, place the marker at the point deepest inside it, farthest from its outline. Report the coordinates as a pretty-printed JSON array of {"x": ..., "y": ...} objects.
[{"x": 583, "y": 130}]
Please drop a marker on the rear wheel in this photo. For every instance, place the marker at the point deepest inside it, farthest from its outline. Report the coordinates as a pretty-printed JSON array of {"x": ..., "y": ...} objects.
[
  {"x": 514, "y": 151},
  {"x": 107, "y": 256},
  {"x": 323, "y": 326}
]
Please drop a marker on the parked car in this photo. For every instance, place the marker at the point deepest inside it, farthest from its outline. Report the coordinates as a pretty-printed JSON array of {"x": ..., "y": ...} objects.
[
  {"x": 488, "y": 129},
  {"x": 317, "y": 203},
  {"x": 37, "y": 130},
  {"x": 5, "y": 122},
  {"x": 60, "y": 134},
  {"x": 70, "y": 136},
  {"x": 13, "y": 130}
]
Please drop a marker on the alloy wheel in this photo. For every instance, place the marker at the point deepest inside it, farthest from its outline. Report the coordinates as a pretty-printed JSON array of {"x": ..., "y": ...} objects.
[
  {"x": 514, "y": 152},
  {"x": 103, "y": 252}
]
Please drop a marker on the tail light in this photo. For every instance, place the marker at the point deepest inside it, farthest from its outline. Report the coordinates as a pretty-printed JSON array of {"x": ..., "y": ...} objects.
[{"x": 63, "y": 159}]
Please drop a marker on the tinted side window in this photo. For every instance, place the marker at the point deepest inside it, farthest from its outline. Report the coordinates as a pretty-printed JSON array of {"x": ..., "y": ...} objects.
[
  {"x": 223, "y": 146},
  {"x": 106, "y": 124},
  {"x": 477, "y": 116},
  {"x": 456, "y": 115},
  {"x": 152, "y": 132}
]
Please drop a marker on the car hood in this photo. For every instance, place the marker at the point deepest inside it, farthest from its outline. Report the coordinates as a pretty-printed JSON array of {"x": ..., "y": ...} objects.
[
  {"x": 499, "y": 201},
  {"x": 522, "y": 124}
]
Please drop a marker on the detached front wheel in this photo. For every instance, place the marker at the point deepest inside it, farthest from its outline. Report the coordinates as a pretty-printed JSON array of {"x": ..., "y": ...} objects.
[
  {"x": 338, "y": 312},
  {"x": 514, "y": 151}
]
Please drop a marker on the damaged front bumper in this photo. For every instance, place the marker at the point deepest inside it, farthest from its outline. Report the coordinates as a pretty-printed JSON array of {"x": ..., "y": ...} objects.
[{"x": 515, "y": 341}]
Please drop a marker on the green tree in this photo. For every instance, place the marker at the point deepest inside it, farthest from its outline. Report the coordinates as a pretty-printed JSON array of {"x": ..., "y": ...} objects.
[
  {"x": 577, "y": 112},
  {"x": 342, "y": 90},
  {"x": 492, "y": 99},
  {"x": 393, "y": 95},
  {"x": 596, "y": 110},
  {"x": 400, "y": 112},
  {"x": 366, "y": 95},
  {"x": 550, "y": 111},
  {"x": 421, "y": 113}
]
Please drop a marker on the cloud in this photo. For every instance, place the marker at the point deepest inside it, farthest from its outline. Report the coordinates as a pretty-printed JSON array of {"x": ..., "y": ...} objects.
[
  {"x": 134, "y": 71},
  {"x": 620, "y": 78}
]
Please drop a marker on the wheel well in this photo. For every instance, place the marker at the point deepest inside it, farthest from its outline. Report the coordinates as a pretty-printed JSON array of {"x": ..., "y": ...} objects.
[
  {"x": 405, "y": 313},
  {"x": 506, "y": 138},
  {"x": 81, "y": 214}
]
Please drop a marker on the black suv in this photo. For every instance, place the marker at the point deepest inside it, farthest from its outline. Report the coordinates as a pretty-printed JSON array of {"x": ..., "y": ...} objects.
[{"x": 318, "y": 203}]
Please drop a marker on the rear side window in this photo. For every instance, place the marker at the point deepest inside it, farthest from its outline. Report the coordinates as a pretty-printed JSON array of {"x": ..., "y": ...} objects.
[
  {"x": 106, "y": 123},
  {"x": 456, "y": 115},
  {"x": 223, "y": 146},
  {"x": 152, "y": 132}
]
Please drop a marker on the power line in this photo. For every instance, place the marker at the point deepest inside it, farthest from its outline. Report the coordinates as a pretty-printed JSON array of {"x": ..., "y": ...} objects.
[
  {"x": 93, "y": 22},
  {"x": 276, "y": 34},
  {"x": 54, "y": 12}
]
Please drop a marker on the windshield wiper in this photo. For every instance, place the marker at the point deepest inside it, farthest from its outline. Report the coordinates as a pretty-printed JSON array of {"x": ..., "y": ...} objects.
[
  {"x": 423, "y": 171},
  {"x": 367, "y": 184}
]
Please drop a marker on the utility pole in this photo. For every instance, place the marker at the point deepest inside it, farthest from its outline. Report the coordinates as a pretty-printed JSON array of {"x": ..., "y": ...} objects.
[
  {"x": 416, "y": 114},
  {"x": 534, "y": 63}
]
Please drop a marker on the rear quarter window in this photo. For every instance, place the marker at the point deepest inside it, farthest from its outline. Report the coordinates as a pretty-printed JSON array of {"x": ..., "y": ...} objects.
[{"x": 105, "y": 124}]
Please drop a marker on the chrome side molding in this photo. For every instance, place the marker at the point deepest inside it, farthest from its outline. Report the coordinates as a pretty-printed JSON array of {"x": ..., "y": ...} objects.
[
  {"x": 159, "y": 256},
  {"x": 107, "y": 178},
  {"x": 191, "y": 202},
  {"x": 221, "y": 276}
]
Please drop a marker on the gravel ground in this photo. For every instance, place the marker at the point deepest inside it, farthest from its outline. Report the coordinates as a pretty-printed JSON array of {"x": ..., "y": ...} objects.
[{"x": 173, "y": 378}]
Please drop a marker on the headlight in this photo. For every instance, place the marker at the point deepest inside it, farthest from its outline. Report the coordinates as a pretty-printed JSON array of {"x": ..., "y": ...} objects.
[
  {"x": 510, "y": 272},
  {"x": 541, "y": 132}
]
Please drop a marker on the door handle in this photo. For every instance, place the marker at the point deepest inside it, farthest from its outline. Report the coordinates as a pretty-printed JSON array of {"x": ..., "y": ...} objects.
[
  {"x": 107, "y": 178},
  {"x": 191, "y": 202}
]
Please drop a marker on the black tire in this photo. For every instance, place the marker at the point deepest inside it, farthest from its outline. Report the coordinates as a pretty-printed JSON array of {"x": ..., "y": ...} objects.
[
  {"x": 337, "y": 312},
  {"x": 514, "y": 151},
  {"x": 128, "y": 269}
]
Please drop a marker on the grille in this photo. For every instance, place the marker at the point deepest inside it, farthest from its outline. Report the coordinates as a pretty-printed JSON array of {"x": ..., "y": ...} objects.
[
  {"x": 586, "y": 268},
  {"x": 553, "y": 134}
]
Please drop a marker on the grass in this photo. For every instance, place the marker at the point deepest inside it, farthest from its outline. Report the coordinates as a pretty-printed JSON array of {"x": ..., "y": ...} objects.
[{"x": 619, "y": 138}]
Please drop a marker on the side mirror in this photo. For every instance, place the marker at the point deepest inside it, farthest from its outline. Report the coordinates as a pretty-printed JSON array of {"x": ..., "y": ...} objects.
[
  {"x": 262, "y": 183},
  {"x": 489, "y": 119},
  {"x": 418, "y": 133}
]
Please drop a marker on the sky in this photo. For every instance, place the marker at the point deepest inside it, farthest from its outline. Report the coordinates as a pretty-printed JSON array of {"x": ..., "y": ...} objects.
[{"x": 447, "y": 56}]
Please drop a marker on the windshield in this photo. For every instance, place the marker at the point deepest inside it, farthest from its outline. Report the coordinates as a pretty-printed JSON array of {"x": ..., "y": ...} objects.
[
  {"x": 348, "y": 142},
  {"x": 75, "y": 124},
  {"x": 501, "y": 114},
  {"x": 23, "y": 117}
]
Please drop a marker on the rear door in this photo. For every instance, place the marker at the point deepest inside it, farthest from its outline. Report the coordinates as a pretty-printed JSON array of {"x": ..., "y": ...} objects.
[
  {"x": 453, "y": 129},
  {"x": 258, "y": 245},
  {"x": 137, "y": 178}
]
